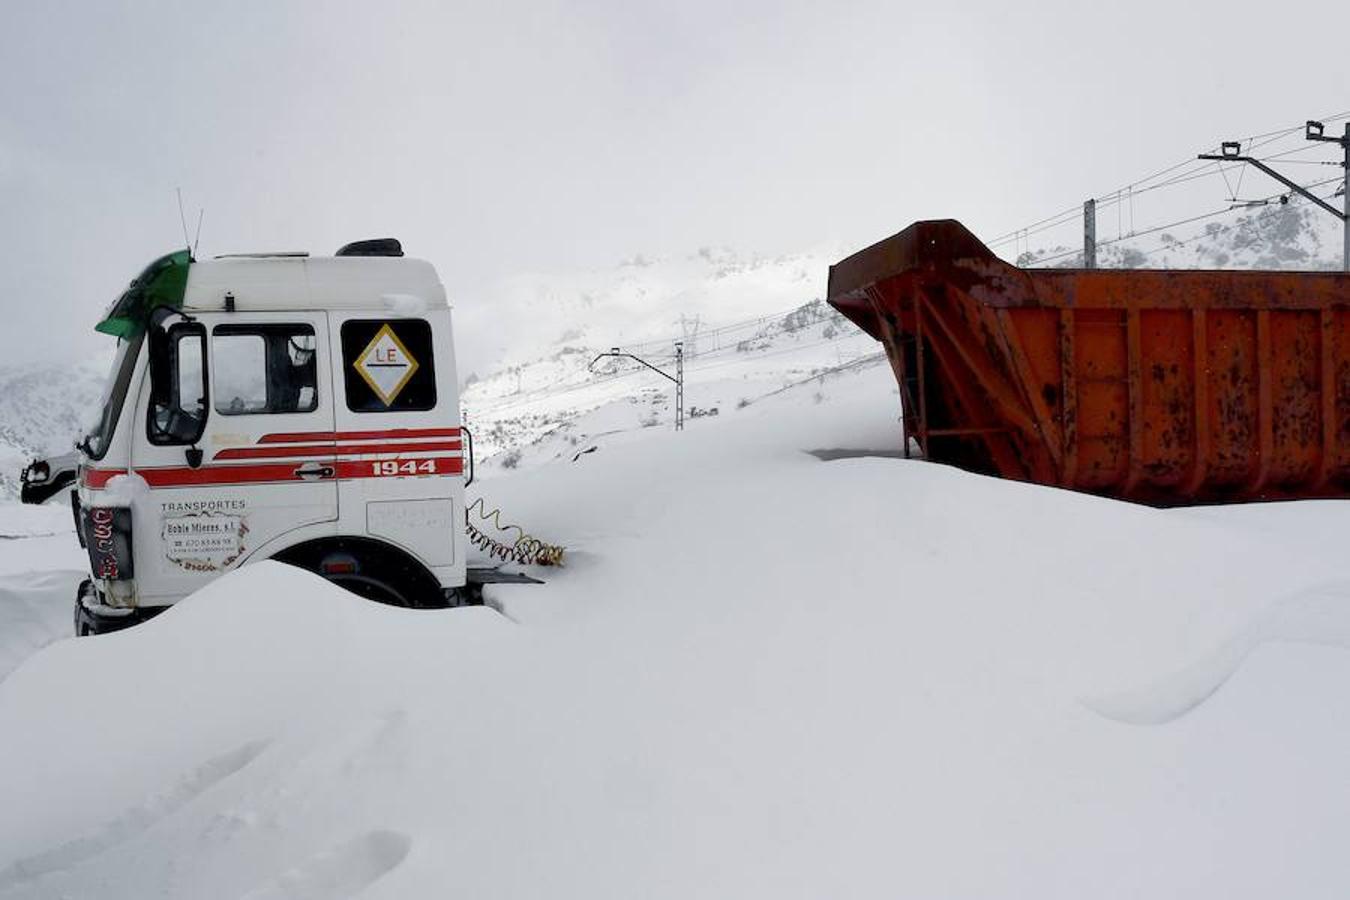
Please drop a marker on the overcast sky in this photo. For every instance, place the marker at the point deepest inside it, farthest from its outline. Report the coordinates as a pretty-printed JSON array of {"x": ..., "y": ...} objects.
[{"x": 502, "y": 137}]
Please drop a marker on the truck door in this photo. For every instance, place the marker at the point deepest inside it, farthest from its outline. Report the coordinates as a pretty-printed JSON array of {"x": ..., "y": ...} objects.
[
  {"x": 400, "y": 457},
  {"x": 262, "y": 473}
]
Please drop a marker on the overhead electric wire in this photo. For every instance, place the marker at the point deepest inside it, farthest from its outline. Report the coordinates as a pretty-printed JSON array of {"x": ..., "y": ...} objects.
[
  {"x": 856, "y": 362},
  {"x": 1197, "y": 169},
  {"x": 1157, "y": 228},
  {"x": 1011, "y": 235},
  {"x": 724, "y": 357},
  {"x": 1184, "y": 171},
  {"x": 1224, "y": 229},
  {"x": 585, "y": 379},
  {"x": 717, "y": 331}
]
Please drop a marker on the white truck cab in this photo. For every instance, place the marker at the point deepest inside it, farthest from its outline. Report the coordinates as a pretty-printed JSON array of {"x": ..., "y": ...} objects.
[{"x": 276, "y": 406}]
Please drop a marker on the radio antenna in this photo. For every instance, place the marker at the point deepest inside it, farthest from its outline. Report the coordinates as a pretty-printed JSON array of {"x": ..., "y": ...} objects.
[
  {"x": 187, "y": 244},
  {"x": 198, "y": 239}
]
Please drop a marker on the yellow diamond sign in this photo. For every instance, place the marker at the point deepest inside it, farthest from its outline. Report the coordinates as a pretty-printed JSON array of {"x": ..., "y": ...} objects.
[{"x": 386, "y": 365}]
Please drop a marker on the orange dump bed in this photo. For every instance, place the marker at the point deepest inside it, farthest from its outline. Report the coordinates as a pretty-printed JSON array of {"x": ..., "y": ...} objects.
[{"x": 1166, "y": 387}]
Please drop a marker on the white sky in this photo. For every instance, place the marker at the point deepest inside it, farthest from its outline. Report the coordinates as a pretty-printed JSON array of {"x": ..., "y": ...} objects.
[{"x": 502, "y": 137}]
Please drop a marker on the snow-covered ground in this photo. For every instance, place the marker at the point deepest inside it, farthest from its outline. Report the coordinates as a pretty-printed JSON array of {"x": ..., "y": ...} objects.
[
  {"x": 780, "y": 661},
  {"x": 41, "y": 564},
  {"x": 760, "y": 674}
]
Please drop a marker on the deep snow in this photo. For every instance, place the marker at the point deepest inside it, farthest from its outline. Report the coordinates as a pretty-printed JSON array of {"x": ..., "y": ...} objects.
[
  {"x": 41, "y": 564},
  {"x": 761, "y": 674}
]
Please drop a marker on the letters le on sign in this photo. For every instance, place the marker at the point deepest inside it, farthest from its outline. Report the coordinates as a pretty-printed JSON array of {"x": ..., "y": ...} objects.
[{"x": 386, "y": 365}]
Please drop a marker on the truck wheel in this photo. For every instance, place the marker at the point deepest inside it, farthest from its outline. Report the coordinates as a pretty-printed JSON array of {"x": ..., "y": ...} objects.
[
  {"x": 369, "y": 588},
  {"x": 369, "y": 569},
  {"x": 90, "y": 622},
  {"x": 83, "y": 624}
]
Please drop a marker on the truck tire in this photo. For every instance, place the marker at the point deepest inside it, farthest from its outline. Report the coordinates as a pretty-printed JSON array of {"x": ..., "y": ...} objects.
[
  {"x": 89, "y": 622},
  {"x": 370, "y": 569}
]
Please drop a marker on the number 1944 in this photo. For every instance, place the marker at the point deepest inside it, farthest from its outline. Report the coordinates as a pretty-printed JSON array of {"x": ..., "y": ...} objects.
[{"x": 405, "y": 467}]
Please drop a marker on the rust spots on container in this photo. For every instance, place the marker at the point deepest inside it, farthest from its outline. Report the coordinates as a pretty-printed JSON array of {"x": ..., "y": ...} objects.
[{"x": 1161, "y": 386}]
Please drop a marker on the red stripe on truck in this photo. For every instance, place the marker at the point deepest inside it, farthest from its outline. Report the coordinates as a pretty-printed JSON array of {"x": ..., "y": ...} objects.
[
  {"x": 262, "y": 473},
  {"x": 97, "y": 479},
  {"x": 180, "y": 476},
  {"x": 315, "y": 437},
  {"x": 330, "y": 450}
]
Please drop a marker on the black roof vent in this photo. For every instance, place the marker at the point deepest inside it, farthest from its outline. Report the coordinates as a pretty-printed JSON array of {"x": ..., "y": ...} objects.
[{"x": 373, "y": 247}]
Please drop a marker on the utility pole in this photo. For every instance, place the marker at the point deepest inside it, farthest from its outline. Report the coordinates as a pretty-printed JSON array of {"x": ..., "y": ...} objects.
[
  {"x": 1231, "y": 151},
  {"x": 1090, "y": 234},
  {"x": 1315, "y": 133},
  {"x": 678, "y": 377},
  {"x": 679, "y": 383}
]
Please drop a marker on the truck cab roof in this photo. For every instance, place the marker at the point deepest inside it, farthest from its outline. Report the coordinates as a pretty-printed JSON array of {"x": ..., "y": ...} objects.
[
  {"x": 313, "y": 282},
  {"x": 274, "y": 282}
]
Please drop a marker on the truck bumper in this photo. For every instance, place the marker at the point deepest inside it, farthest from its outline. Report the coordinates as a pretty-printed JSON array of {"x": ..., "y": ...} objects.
[{"x": 92, "y": 617}]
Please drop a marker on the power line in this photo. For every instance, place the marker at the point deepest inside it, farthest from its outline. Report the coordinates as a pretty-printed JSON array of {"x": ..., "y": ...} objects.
[
  {"x": 1004, "y": 238},
  {"x": 1187, "y": 221},
  {"x": 1212, "y": 169},
  {"x": 1224, "y": 229},
  {"x": 585, "y": 380},
  {"x": 724, "y": 358},
  {"x": 1141, "y": 186}
]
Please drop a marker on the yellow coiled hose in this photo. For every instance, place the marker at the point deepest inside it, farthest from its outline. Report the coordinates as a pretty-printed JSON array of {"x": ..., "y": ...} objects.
[{"x": 526, "y": 550}]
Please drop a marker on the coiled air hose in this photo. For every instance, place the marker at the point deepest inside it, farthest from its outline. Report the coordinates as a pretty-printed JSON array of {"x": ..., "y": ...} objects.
[{"x": 526, "y": 550}]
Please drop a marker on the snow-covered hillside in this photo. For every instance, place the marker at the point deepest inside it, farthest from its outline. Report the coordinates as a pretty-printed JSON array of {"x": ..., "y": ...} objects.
[
  {"x": 562, "y": 404},
  {"x": 760, "y": 674},
  {"x": 44, "y": 410},
  {"x": 748, "y": 326},
  {"x": 1294, "y": 235},
  {"x": 642, "y": 298}
]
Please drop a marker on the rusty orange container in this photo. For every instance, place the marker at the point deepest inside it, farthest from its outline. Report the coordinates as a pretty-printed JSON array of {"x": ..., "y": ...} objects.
[{"x": 1166, "y": 387}]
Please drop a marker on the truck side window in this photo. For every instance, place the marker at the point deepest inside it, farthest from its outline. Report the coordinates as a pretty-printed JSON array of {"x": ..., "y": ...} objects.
[
  {"x": 177, "y": 412},
  {"x": 387, "y": 365},
  {"x": 264, "y": 369}
]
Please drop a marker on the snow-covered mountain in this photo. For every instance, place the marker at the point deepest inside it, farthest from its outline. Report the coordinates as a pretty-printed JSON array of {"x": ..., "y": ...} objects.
[
  {"x": 44, "y": 410},
  {"x": 553, "y": 405},
  {"x": 1292, "y": 236},
  {"x": 641, "y": 298}
]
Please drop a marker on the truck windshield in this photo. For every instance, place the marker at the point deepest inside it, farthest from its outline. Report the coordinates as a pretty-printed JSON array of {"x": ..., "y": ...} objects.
[{"x": 95, "y": 444}]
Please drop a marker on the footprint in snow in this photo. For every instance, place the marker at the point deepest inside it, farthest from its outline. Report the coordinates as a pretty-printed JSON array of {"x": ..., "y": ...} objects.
[{"x": 131, "y": 823}]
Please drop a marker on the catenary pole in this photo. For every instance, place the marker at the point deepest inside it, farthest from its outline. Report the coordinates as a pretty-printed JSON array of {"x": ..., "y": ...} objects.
[
  {"x": 1345, "y": 190},
  {"x": 679, "y": 385},
  {"x": 1090, "y": 234},
  {"x": 678, "y": 377},
  {"x": 1231, "y": 151}
]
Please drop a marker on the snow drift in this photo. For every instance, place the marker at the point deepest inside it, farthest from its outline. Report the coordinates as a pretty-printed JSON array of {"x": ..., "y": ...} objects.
[{"x": 761, "y": 675}]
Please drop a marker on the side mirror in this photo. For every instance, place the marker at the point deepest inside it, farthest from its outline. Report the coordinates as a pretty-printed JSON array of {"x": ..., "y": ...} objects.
[{"x": 178, "y": 382}]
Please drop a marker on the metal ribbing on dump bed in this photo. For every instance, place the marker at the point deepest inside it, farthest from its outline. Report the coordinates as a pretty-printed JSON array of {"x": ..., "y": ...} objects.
[{"x": 1167, "y": 387}]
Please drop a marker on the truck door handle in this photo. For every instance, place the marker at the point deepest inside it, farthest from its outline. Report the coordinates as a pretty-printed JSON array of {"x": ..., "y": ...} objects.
[{"x": 312, "y": 471}]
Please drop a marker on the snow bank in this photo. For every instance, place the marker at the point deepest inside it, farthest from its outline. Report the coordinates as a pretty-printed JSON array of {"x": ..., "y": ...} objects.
[
  {"x": 41, "y": 564},
  {"x": 35, "y": 609},
  {"x": 761, "y": 675},
  {"x": 1320, "y": 616}
]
